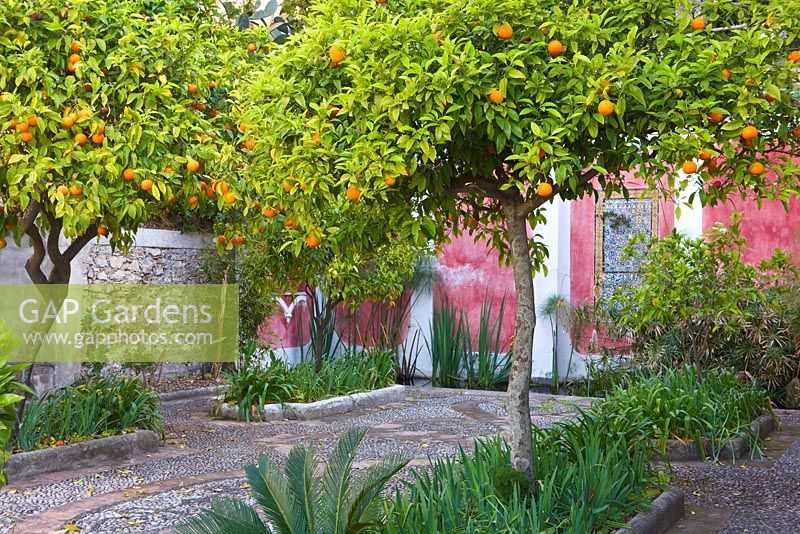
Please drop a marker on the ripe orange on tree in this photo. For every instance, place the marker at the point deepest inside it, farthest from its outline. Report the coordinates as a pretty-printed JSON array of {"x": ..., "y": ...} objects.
[
  {"x": 192, "y": 88},
  {"x": 496, "y": 97},
  {"x": 250, "y": 144},
  {"x": 269, "y": 212},
  {"x": 505, "y": 31},
  {"x": 192, "y": 165},
  {"x": 75, "y": 190},
  {"x": 68, "y": 122},
  {"x": 72, "y": 67},
  {"x": 287, "y": 186},
  {"x": 64, "y": 190},
  {"x": 192, "y": 200},
  {"x": 726, "y": 73},
  {"x": 75, "y": 46},
  {"x": 98, "y": 138},
  {"x": 544, "y": 189},
  {"x": 715, "y": 117},
  {"x": 129, "y": 174},
  {"x": 26, "y": 137},
  {"x": 705, "y": 155},
  {"x": 74, "y": 58},
  {"x": 689, "y": 167},
  {"x": 756, "y": 169},
  {"x": 229, "y": 198},
  {"x": 390, "y": 181},
  {"x": 102, "y": 230},
  {"x": 146, "y": 185},
  {"x": 353, "y": 193},
  {"x": 698, "y": 23},
  {"x": 749, "y": 132},
  {"x": 252, "y": 47},
  {"x": 605, "y": 108},
  {"x": 81, "y": 139},
  {"x": 794, "y": 56},
  {"x": 555, "y": 48},
  {"x": 33, "y": 121},
  {"x": 336, "y": 54},
  {"x": 23, "y": 127}
]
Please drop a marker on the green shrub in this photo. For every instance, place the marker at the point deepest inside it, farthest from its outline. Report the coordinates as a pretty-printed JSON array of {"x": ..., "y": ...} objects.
[
  {"x": 674, "y": 404},
  {"x": 698, "y": 302},
  {"x": 10, "y": 388},
  {"x": 253, "y": 387},
  {"x": 94, "y": 408},
  {"x": 590, "y": 474},
  {"x": 299, "y": 501}
]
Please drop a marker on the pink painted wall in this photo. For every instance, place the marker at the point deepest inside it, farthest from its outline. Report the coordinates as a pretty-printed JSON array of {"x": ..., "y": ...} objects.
[
  {"x": 467, "y": 270},
  {"x": 765, "y": 229}
]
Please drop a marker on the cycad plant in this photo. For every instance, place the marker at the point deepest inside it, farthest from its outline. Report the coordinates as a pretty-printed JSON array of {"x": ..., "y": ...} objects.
[{"x": 299, "y": 501}]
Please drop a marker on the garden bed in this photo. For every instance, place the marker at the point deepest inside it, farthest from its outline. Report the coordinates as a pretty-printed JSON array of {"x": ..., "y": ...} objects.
[
  {"x": 94, "y": 452},
  {"x": 321, "y": 408},
  {"x": 737, "y": 447}
]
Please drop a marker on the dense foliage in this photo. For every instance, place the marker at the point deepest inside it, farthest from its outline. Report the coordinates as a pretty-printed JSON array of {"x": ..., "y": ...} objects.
[
  {"x": 253, "y": 386},
  {"x": 98, "y": 407},
  {"x": 299, "y": 500},
  {"x": 698, "y": 301},
  {"x": 592, "y": 475},
  {"x": 675, "y": 405}
]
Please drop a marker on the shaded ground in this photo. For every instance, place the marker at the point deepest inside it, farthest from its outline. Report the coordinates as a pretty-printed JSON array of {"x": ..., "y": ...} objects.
[{"x": 203, "y": 458}]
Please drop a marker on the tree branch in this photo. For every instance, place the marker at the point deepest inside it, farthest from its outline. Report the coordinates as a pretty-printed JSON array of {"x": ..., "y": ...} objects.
[
  {"x": 61, "y": 267},
  {"x": 34, "y": 264},
  {"x": 81, "y": 241},
  {"x": 534, "y": 202}
]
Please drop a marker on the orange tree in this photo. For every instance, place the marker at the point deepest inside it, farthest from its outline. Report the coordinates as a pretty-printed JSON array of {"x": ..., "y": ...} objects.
[
  {"x": 109, "y": 111},
  {"x": 470, "y": 115}
]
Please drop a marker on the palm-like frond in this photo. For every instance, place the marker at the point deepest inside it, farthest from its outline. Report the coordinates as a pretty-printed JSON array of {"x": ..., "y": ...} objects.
[
  {"x": 227, "y": 516},
  {"x": 298, "y": 501},
  {"x": 300, "y": 468},
  {"x": 368, "y": 488},
  {"x": 336, "y": 482},
  {"x": 271, "y": 492}
]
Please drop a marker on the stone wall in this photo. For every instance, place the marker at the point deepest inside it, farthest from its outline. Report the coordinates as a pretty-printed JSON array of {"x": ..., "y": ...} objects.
[
  {"x": 157, "y": 257},
  {"x": 145, "y": 265}
]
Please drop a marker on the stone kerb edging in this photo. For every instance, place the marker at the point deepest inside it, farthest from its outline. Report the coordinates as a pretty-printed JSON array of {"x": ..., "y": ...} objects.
[
  {"x": 314, "y": 410},
  {"x": 664, "y": 512},
  {"x": 27, "y": 465},
  {"x": 189, "y": 393},
  {"x": 738, "y": 447}
]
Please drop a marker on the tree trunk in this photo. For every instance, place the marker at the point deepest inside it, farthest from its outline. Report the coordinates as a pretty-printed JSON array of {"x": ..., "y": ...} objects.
[
  {"x": 518, "y": 406},
  {"x": 60, "y": 273}
]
